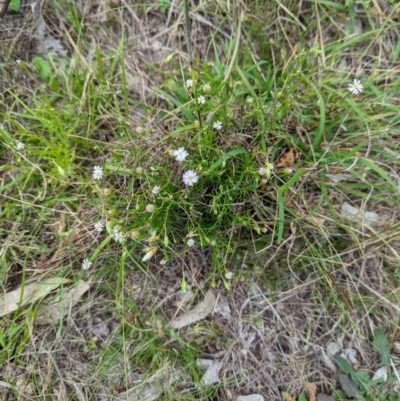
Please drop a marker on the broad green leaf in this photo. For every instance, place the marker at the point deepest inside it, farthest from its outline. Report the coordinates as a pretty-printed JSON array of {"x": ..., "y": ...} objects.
[{"x": 381, "y": 344}]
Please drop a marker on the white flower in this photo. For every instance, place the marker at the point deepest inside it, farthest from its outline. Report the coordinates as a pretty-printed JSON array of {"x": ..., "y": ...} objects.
[
  {"x": 263, "y": 171},
  {"x": 139, "y": 170},
  {"x": 229, "y": 275},
  {"x": 150, "y": 208},
  {"x": 20, "y": 146},
  {"x": 180, "y": 154},
  {"x": 217, "y": 125},
  {"x": 86, "y": 264},
  {"x": 98, "y": 173},
  {"x": 150, "y": 251},
  {"x": 155, "y": 190},
  {"x": 201, "y": 100},
  {"x": 190, "y": 178},
  {"x": 99, "y": 226},
  {"x": 207, "y": 88},
  {"x": 356, "y": 87},
  {"x": 118, "y": 236},
  {"x": 189, "y": 83},
  {"x": 163, "y": 262},
  {"x": 190, "y": 242},
  {"x": 153, "y": 236}
]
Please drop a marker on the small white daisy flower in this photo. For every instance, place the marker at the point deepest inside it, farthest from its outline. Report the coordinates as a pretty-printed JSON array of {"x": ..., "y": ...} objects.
[
  {"x": 190, "y": 242},
  {"x": 86, "y": 264},
  {"x": 19, "y": 146},
  {"x": 229, "y": 275},
  {"x": 99, "y": 226},
  {"x": 150, "y": 251},
  {"x": 201, "y": 100},
  {"x": 190, "y": 178},
  {"x": 356, "y": 87},
  {"x": 155, "y": 190},
  {"x": 217, "y": 125},
  {"x": 189, "y": 83},
  {"x": 98, "y": 173},
  {"x": 180, "y": 154},
  {"x": 150, "y": 208},
  {"x": 118, "y": 236}
]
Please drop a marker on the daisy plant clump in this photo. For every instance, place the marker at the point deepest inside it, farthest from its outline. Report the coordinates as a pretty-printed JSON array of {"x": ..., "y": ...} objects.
[
  {"x": 198, "y": 187},
  {"x": 225, "y": 169}
]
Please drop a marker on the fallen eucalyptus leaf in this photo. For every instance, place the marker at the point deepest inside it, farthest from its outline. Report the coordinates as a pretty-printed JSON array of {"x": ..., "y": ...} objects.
[
  {"x": 327, "y": 361},
  {"x": 350, "y": 356},
  {"x": 212, "y": 374},
  {"x": 333, "y": 348},
  {"x": 54, "y": 312},
  {"x": 223, "y": 309},
  {"x": 368, "y": 216},
  {"x": 152, "y": 389},
  {"x": 199, "y": 312},
  {"x": 340, "y": 177},
  {"x": 251, "y": 397},
  {"x": 28, "y": 294},
  {"x": 315, "y": 221}
]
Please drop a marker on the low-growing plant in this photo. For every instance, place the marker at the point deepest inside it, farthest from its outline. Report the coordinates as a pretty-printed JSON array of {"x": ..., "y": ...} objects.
[{"x": 359, "y": 385}]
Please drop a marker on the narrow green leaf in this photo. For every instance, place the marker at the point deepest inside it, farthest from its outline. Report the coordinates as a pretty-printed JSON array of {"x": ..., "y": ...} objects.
[
  {"x": 227, "y": 156},
  {"x": 292, "y": 180},
  {"x": 281, "y": 216},
  {"x": 380, "y": 171}
]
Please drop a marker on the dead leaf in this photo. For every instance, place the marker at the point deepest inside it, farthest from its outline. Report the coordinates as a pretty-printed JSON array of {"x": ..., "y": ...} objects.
[
  {"x": 199, "y": 312},
  {"x": 396, "y": 347},
  {"x": 315, "y": 221},
  {"x": 372, "y": 217},
  {"x": 61, "y": 224},
  {"x": 327, "y": 361},
  {"x": 28, "y": 294},
  {"x": 223, "y": 308},
  {"x": 212, "y": 374},
  {"x": 311, "y": 389},
  {"x": 251, "y": 397},
  {"x": 287, "y": 159},
  {"x": 54, "y": 312},
  {"x": 336, "y": 178},
  {"x": 151, "y": 389}
]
